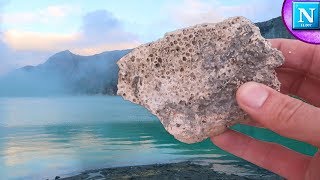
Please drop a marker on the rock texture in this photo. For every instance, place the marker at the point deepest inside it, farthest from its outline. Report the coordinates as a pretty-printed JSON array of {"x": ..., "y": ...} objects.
[{"x": 189, "y": 78}]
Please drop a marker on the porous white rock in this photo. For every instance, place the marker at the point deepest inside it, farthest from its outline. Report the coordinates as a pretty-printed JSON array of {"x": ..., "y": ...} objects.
[{"x": 189, "y": 78}]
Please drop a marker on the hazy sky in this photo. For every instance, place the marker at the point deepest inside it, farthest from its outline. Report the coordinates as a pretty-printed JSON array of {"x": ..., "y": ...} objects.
[{"x": 33, "y": 30}]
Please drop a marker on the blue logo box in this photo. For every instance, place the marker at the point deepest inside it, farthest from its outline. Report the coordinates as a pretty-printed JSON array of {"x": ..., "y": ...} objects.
[{"x": 305, "y": 15}]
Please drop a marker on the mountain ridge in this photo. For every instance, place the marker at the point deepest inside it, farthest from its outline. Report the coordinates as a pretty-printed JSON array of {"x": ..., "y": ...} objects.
[
  {"x": 66, "y": 73},
  {"x": 69, "y": 73}
]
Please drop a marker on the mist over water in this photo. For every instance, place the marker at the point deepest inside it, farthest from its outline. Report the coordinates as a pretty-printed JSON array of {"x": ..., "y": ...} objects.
[
  {"x": 65, "y": 74},
  {"x": 24, "y": 83},
  {"x": 39, "y": 111}
]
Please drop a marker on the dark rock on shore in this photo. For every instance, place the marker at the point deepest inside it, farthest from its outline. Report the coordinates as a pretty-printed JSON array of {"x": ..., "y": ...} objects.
[{"x": 183, "y": 170}]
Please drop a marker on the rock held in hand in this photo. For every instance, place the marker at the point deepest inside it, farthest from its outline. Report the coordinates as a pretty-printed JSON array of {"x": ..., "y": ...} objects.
[{"x": 189, "y": 78}]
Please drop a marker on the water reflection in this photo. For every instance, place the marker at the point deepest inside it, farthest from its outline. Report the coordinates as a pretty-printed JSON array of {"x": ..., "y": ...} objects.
[
  {"x": 43, "y": 152},
  {"x": 46, "y": 151},
  {"x": 68, "y": 135}
]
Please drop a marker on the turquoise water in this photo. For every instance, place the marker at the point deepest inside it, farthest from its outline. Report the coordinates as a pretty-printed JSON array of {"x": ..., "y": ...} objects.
[{"x": 44, "y": 137}]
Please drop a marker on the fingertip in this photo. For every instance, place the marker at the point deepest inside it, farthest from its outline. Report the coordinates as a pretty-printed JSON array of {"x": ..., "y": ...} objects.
[{"x": 252, "y": 95}]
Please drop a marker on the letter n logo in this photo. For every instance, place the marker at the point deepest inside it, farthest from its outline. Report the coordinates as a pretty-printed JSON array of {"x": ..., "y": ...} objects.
[{"x": 305, "y": 15}]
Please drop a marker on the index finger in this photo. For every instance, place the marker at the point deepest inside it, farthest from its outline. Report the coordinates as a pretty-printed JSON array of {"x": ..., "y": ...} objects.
[
  {"x": 299, "y": 75},
  {"x": 276, "y": 158},
  {"x": 299, "y": 56}
]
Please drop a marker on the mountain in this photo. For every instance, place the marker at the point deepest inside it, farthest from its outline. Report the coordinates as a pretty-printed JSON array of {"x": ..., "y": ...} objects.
[
  {"x": 68, "y": 73},
  {"x": 65, "y": 73},
  {"x": 274, "y": 28}
]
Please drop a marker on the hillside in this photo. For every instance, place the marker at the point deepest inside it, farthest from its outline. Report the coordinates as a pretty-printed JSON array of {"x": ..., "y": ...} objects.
[
  {"x": 65, "y": 73},
  {"x": 274, "y": 28},
  {"x": 68, "y": 73}
]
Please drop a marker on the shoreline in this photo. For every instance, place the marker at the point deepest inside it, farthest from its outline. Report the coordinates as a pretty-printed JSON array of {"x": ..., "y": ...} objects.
[{"x": 181, "y": 170}]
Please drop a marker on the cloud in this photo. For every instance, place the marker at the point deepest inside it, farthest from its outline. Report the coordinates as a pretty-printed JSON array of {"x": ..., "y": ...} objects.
[
  {"x": 24, "y": 40},
  {"x": 49, "y": 14},
  {"x": 99, "y": 21},
  {"x": 18, "y": 48},
  {"x": 191, "y": 12},
  {"x": 101, "y": 28},
  {"x": 100, "y": 31},
  {"x": 89, "y": 50},
  {"x": 255, "y": 10},
  {"x": 5, "y": 51},
  {"x": 58, "y": 11}
]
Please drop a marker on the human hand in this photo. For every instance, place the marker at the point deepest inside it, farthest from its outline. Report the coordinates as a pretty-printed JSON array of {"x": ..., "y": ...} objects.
[{"x": 289, "y": 117}]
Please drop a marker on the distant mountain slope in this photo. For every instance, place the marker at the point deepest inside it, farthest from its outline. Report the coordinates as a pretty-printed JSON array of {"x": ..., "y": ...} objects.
[
  {"x": 274, "y": 28},
  {"x": 65, "y": 73},
  {"x": 68, "y": 73}
]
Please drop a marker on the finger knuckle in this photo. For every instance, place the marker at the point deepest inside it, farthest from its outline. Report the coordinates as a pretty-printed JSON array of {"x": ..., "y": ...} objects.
[{"x": 286, "y": 114}]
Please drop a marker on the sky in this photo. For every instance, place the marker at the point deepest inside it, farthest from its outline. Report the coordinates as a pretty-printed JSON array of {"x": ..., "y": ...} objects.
[{"x": 32, "y": 31}]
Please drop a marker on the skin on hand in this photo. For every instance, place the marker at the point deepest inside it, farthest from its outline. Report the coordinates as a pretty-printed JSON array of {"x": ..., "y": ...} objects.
[{"x": 287, "y": 116}]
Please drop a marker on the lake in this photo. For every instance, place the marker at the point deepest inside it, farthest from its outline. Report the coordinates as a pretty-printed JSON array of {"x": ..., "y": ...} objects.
[{"x": 44, "y": 137}]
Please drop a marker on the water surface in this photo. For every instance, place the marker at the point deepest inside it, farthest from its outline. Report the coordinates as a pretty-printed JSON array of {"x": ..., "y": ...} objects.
[{"x": 44, "y": 137}]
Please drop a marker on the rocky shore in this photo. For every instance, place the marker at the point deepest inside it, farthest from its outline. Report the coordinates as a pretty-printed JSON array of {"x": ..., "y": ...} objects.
[{"x": 182, "y": 170}]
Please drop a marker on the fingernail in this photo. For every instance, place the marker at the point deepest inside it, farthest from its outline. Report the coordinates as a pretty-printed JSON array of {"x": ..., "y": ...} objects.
[{"x": 252, "y": 95}]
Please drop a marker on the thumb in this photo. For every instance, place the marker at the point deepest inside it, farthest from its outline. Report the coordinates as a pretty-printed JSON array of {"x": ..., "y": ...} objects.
[{"x": 281, "y": 113}]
